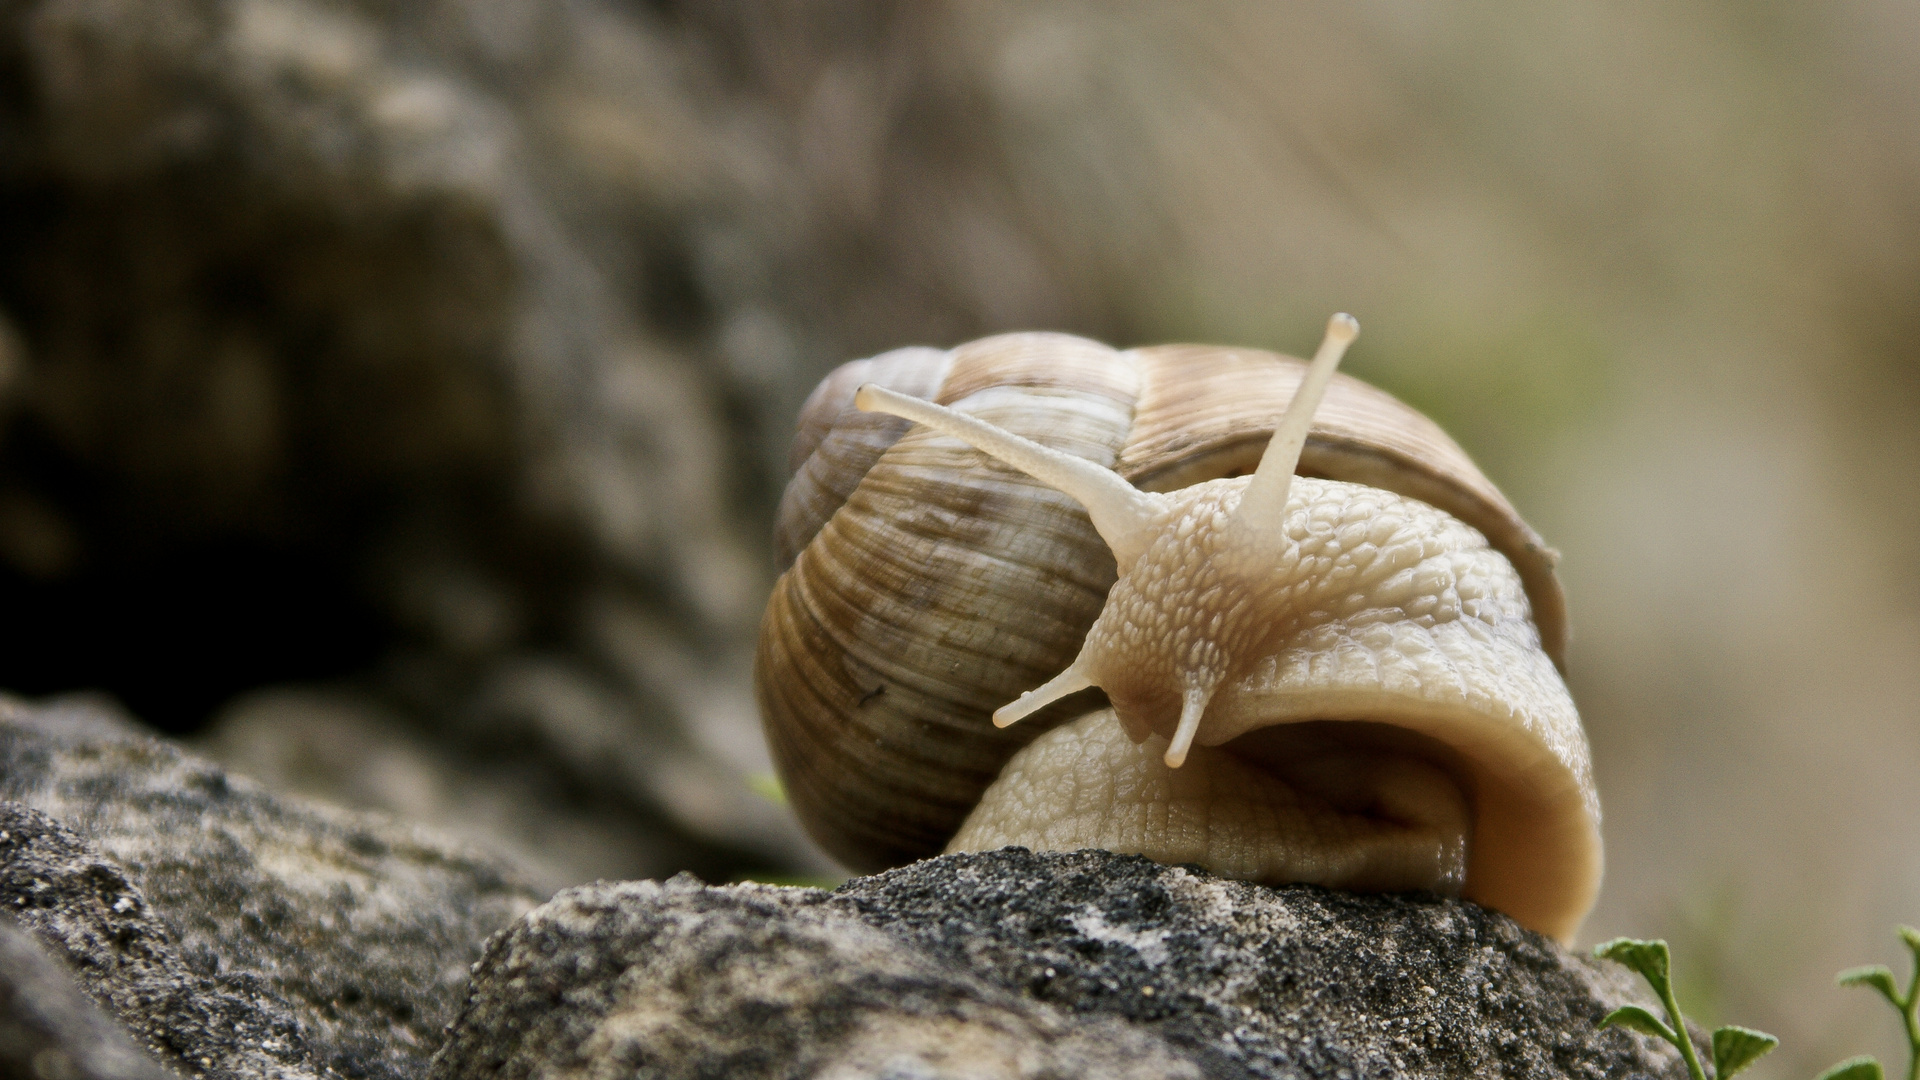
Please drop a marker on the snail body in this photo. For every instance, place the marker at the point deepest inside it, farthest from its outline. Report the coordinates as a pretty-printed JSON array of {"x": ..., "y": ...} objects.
[{"x": 1349, "y": 677}]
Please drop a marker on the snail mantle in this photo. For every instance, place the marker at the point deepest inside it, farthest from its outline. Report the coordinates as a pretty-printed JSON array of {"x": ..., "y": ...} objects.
[{"x": 1253, "y": 615}]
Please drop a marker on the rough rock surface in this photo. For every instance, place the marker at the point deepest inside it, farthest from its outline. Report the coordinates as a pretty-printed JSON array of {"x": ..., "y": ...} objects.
[
  {"x": 48, "y": 1027},
  {"x": 194, "y": 1016},
  {"x": 1026, "y": 965},
  {"x": 682, "y": 980},
  {"x": 346, "y": 750},
  {"x": 265, "y": 935}
]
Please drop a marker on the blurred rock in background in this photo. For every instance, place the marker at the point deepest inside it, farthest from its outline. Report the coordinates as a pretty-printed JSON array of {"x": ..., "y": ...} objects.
[{"x": 395, "y": 396}]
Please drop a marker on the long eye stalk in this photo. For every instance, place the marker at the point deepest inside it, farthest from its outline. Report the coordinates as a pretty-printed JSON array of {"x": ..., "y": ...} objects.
[
  {"x": 1257, "y": 525},
  {"x": 1124, "y": 516}
]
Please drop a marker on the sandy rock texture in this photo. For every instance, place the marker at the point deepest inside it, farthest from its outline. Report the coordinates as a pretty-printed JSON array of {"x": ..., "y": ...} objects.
[
  {"x": 191, "y": 1015},
  {"x": 639, "y": 978},
  {"x": 236, "y": 933},
  {"x": 48, "y": 1026},
  {"x": 1017, "y": 964}
]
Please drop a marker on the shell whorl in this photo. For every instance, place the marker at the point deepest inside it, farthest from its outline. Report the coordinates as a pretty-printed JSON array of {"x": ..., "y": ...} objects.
[{"x": 927, "y": 585}]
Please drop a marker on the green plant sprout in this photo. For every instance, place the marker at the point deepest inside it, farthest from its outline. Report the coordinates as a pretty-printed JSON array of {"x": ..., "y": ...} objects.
[
  {"x": 1908, "y": 1005},
  {"x": 1864, "y": 1067},
  {"x": 1734, "y": 1047}
]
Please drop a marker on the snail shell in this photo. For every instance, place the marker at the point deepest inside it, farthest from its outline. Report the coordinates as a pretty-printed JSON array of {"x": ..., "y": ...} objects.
[{"x": 927, "y": 585}]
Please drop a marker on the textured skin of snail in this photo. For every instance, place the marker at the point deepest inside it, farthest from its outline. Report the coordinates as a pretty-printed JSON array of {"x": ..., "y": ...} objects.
[{"x": 1389, "y": 713}]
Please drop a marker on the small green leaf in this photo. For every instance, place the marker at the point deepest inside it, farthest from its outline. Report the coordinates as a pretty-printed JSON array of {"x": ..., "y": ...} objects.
[
  {"x": 1873, "y": 975},
  {"x": 1863, "y": 1067},
  {"x": 1735, "y": 1048},
  {"x": 1649, "y": 958},
  {"x": 1639, "y": 1019},
  {"x": 767, "y": 786},
  {"x": 1912, "y": 937}
]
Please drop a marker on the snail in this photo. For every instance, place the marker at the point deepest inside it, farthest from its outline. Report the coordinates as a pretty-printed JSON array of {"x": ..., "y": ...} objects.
[{"x": 1350, "y": 676}]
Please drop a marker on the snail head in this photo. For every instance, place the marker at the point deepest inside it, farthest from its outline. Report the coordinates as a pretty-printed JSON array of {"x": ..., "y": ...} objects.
[{"x": 1197, "y": 566}]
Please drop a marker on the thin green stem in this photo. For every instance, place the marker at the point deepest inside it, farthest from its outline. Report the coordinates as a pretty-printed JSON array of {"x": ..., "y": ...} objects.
[
  {"x": 1685, "y": 1042},
  {"x": 1913, "y": 1044},
  {"x": 1910, "y": 1014}
]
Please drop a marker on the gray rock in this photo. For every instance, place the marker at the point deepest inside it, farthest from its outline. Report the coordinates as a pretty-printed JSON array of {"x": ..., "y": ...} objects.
[
  {"x": 340, "y": 932},
  {"x": 49, "y": 1030},
  {"x": 347, "y": 750},
  {"x": 1252, "y": 981},
  {"x": 340, "y": 328},
  {"x": 681, "y": 980},
  {"x": 127, "y": 958},
  {"x": 1020, "y": 964}
]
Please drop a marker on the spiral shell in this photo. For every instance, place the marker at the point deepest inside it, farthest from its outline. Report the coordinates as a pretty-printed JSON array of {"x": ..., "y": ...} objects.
[{"x": 926, "y": 585}]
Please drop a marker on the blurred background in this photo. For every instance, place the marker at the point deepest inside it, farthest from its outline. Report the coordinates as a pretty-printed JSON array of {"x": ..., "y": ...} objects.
[{"x": 394, "y": 397}]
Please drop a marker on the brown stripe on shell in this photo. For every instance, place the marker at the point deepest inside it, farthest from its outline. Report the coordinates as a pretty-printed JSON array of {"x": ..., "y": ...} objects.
[
  {"x": 1207, "y": 412},
  {"x": 835, "y": 443},
  {"x": 1043, "y": 362},
  {"x": 943, "y": 587}
]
